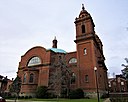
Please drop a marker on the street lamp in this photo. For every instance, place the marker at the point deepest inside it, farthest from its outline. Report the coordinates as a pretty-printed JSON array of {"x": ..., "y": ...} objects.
[{"x": 95, "y": 69}]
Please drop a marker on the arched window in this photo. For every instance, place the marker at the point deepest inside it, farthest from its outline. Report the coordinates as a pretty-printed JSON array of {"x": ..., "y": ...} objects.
[
  {"x": 24, "y": 78},
  {"x": 86, "y": 78},
  {"x": 83, "y": 28},
  {"x": 72, "y": 60},
  {"x": 31, "y": 78},
  {"x": 34, "y": 61},
  {"x": 73, "y": 78},
  {"x": 85, "y": 51}
]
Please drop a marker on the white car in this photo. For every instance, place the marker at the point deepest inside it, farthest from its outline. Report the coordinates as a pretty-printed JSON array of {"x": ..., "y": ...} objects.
[{"x": 2, "y": 99}]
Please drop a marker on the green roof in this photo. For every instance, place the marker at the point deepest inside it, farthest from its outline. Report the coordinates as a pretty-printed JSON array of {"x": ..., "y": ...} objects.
[{"x": 56, "y": 50}]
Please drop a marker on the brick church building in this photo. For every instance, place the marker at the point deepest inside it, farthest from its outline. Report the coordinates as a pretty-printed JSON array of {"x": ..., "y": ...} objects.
[{"x": 36, "y": 64}]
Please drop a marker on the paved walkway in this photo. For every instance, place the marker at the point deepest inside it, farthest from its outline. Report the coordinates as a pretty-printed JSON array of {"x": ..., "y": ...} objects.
[
  {"x": 25, "y": 101},
  {"x": 107, "y": 100}
]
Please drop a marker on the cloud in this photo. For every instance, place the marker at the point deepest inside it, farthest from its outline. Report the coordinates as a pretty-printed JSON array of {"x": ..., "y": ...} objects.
[{"x": 25, "y": 24}]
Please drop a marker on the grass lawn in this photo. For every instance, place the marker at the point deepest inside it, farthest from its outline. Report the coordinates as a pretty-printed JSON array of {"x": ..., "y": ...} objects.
[
  {"x": 71, "y": 100},
  {"x": 60, "y": 100}
]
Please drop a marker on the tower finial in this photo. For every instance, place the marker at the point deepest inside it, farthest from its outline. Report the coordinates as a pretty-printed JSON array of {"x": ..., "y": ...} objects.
[
  {"x": 83, "y": 7},
  {"x": 54, "y": 43},
  {"x": 55, "y": 38}
]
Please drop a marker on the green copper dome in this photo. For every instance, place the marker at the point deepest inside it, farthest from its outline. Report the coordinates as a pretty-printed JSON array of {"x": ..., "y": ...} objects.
[{"x": 56, "y": 50}]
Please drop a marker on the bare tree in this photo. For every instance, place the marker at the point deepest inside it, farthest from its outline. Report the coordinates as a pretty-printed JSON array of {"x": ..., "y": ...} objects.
[{"x": 60, "y": 77}]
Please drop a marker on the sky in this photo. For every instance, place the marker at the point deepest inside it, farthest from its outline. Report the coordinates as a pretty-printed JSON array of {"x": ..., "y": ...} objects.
[{"x": 28, "y": 23}]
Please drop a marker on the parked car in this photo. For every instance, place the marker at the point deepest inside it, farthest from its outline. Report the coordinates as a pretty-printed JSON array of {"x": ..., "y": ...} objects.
[{"x": 2, "y": 99}]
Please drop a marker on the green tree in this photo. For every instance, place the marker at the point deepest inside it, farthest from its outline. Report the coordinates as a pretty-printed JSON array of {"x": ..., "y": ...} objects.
[
  {"x": 42, "y": 92},
  {"x": 125, "y": 70},
  {"x": 15, "y": 87}
]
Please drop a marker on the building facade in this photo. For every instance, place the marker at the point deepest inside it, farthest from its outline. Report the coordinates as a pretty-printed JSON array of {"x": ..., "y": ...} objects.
[
  {"x": 36, "y": 64},
  {"x": 118, "y": 84},
  {"x": 4, "y": 82}
]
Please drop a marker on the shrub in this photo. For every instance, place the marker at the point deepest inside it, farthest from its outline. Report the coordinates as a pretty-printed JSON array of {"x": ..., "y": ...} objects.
[
  {"x": 76, "y": 94},
  {"x": 26, "y": 97},
  {"x": 22, "y": 97},
  {"x": 42, "y": 92},
  {"x": 87, "y": 97},
  {"x": 105, "y": 95},
  {"x": 64, "y": 93},
  {"x": 29, "y": 96}
]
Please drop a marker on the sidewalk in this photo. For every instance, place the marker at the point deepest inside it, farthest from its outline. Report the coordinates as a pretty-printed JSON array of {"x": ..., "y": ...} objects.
[
  {"x": 25, "y": 101},
  {"x": 107, "y": 100}
]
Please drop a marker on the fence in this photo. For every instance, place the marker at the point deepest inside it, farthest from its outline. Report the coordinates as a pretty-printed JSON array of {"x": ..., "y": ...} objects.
[{"x": 119, "y": 97}]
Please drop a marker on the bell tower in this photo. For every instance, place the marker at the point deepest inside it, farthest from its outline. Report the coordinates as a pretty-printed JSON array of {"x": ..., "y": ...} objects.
[
  {"x": 89, "y": 54},
  {"x": 84, "y": 24}
]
